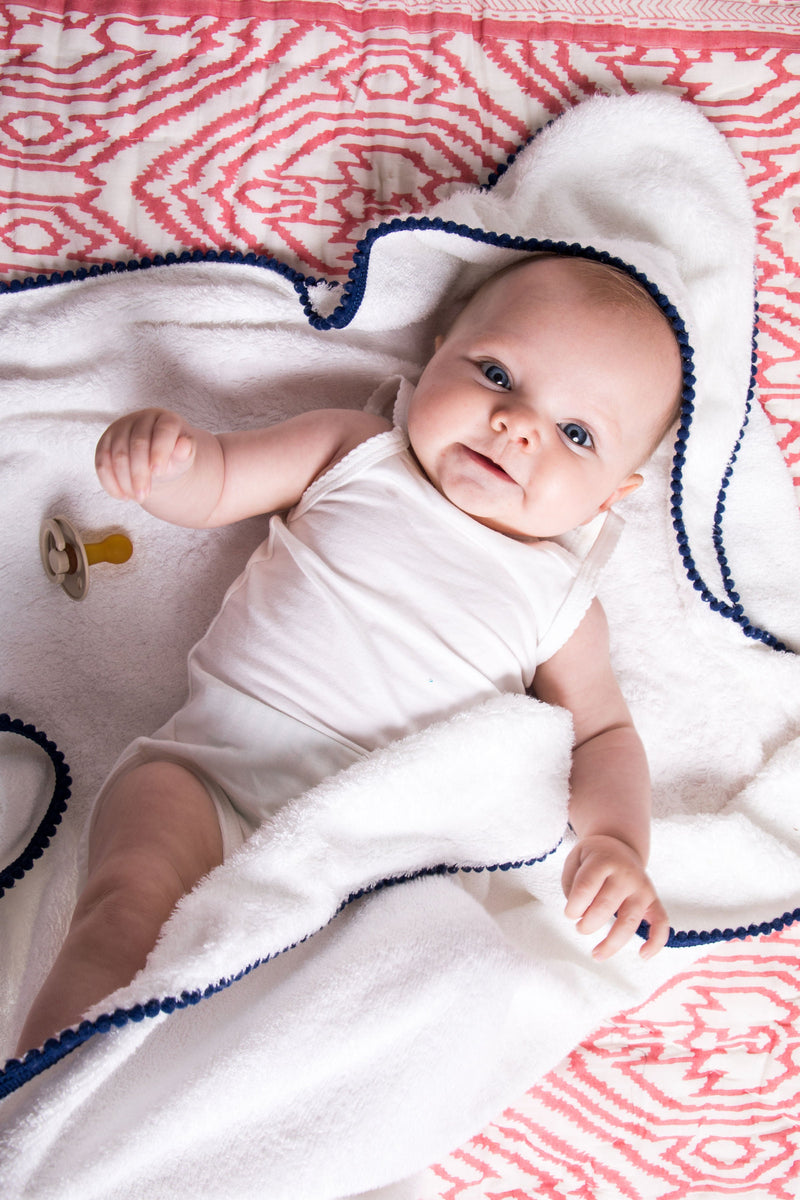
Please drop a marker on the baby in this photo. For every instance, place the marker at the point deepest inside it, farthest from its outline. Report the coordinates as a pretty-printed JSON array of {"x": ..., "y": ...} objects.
[{"x": 414, "y": 575}]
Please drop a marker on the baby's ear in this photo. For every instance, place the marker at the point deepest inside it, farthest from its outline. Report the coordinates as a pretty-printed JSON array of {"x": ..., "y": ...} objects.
[
  {"x": 437, "y": 341},
  {"x": 630, "y": 485}
]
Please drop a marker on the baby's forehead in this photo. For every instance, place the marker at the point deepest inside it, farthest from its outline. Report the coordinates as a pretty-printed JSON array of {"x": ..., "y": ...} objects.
[
  {"x": 568, "y": 278},
  {"x": 580, "y": 289}
]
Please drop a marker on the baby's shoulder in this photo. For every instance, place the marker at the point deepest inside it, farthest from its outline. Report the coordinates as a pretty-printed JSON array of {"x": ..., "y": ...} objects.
[
  {"x": 355, "y": 427},
  {"x": 346, "y": 430}
]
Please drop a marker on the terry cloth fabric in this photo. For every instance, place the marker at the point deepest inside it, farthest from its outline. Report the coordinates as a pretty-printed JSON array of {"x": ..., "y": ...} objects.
[{"x": 373, "y": 975}]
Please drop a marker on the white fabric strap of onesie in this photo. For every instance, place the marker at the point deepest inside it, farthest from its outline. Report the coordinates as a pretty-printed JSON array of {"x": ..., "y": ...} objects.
[{"x": 584, "y": 587}]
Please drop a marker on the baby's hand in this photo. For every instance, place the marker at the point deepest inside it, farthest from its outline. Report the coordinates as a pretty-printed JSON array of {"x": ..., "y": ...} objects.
[
  {"x": 143, "y": 448},
  {"x": 603, "y": 877}
]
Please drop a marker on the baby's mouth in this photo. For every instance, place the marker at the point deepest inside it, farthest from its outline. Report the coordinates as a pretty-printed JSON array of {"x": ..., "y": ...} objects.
[{"x": 488, "y": 463}]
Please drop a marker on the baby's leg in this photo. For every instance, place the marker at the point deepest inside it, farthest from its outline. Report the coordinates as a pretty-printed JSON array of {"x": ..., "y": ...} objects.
[{"x": 155, "y": 833}]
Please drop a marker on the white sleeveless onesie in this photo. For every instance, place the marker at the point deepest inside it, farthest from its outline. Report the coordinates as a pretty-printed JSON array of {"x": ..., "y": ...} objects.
[{"x": 374, "y": 608}]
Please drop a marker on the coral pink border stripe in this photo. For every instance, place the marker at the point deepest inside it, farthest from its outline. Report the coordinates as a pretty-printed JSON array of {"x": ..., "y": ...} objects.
[{"x": 702, "y": 25}]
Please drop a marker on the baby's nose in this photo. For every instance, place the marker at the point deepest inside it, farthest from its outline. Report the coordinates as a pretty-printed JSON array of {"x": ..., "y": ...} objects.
[{"x": 521, "y": 426}]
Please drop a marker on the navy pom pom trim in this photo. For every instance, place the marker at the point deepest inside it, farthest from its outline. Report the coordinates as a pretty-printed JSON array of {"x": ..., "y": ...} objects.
[
  {"x": 56, "y": 808},
  {"x": 17, "y": 1072},
  {"x": 730, "y": 607}
]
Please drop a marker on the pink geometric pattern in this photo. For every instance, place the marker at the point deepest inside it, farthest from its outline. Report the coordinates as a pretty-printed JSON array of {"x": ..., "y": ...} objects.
[
  {"x": 696, "y": 1092},
  {"x": 135, "y": 127},
  {"x": 135, "y": 131}
]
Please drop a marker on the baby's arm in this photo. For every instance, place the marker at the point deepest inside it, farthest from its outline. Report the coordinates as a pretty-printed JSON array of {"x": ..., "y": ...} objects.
[
  {"x": 192, "y": 477},
  {"x": 604, "y": 874}
]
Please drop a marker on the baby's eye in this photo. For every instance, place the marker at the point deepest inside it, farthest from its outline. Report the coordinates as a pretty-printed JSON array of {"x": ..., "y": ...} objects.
[
  {"x": 577, "y": 434},
  {"x": 496, "y": 374}
]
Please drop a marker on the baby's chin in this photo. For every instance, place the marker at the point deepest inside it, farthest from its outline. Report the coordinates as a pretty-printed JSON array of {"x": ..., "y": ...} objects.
[
  {"x": 535, "y": 532},
  {"x": 508, "y": 530},
  {"x": 530, "y": 527}
]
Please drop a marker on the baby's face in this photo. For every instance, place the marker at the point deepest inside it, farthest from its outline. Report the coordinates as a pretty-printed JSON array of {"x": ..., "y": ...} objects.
[{"x": 540, "y": 403}]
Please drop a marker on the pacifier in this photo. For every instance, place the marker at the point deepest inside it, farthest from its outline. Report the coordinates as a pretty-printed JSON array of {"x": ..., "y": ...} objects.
[{"x": 66, "y": 558}]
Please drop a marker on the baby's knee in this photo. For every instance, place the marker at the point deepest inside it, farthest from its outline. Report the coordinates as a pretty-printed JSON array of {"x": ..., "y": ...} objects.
[
  {"x": 128, "y": 891},
  {"x": 155, "y": 827}
]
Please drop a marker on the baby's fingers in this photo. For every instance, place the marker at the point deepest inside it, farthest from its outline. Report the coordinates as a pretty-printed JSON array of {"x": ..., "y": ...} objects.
[
  {"x": 659, "y": 932},
  {"x": 604, "y": 882},
  {"x": 629, "y": 917},
  {"x": 152, "y": 442},
  {"x": 171, "y": 447},
  {"x": 106, "y": 472},
  {"x": 593, "y": 901},
  {"x": 592, "y": 896},
  {"x": 627, "y": 921},
  {"x": 113, "y": 470},
  {"x": 122, "y": 457},
  {"x": 138, "y": 448}
]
